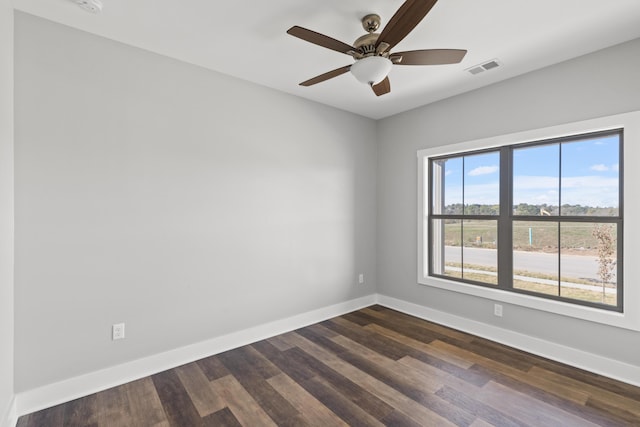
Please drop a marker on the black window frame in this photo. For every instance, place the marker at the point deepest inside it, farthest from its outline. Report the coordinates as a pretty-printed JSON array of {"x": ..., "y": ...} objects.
[{"x": 506, "y": 218}]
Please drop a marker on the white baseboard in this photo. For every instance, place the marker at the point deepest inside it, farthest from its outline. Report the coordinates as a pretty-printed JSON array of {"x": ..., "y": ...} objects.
[
  {"x": 10, "y": 417},
  {"x": 615, "y": 369},
  {"x": 73, "y": 388}
]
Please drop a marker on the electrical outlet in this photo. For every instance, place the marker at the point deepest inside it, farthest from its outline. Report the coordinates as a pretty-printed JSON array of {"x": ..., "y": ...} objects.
[
  {"x": 361, "y": 278},
  {"x": 497, "y": 310},
  {"x": 117, "y": 331}
]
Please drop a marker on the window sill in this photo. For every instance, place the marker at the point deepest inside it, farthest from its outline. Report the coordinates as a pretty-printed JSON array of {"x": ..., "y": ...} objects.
[{"x": 607, "y": 317}]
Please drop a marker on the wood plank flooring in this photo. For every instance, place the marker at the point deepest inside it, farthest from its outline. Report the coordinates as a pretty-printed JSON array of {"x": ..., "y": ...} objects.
[{"x": 372, "y": 367}]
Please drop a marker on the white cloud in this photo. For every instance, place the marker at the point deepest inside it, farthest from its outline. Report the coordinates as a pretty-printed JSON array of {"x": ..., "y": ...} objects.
[
  {"x": 482, "y": 194},
  {"x": 589, "y": 182},
  {"x": 615, "y": 167},
  {"x": 483, "y": 170},
  {"x": 524, "y": 182},
  {"x": 591, "y": 190},
  {"x": 579, "y": 190},
  {"x": 599, "y": 168}
]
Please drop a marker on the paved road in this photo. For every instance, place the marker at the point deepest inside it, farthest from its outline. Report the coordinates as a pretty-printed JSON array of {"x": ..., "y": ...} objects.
[{"x": 577, "y": 266}]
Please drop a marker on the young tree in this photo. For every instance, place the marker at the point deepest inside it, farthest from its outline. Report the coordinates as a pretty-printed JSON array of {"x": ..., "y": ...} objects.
[{"x": 605, "y": 235}]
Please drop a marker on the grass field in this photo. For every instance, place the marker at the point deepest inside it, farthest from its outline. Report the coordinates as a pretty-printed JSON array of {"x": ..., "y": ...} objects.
[
  {"x": 488, "y": 275},
  {"x": 527, "y": 235}
]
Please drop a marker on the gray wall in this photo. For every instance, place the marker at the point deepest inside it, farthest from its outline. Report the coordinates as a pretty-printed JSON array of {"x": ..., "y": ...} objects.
[
  {"x": 6, "y": 207},
  {"x": 603, "y": 83},
  {"x": 183, "y": 202},
  {"x": 189, "y": 204}
]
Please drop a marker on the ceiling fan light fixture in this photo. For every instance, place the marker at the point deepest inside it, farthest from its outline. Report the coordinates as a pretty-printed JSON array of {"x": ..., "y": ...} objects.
[{"x": 371, "y": 69}]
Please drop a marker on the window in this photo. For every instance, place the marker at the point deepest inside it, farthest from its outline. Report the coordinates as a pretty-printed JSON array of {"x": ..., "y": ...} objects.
[
  {"x": 547, "y": 213},
  {"x": 535, "y": 219}
]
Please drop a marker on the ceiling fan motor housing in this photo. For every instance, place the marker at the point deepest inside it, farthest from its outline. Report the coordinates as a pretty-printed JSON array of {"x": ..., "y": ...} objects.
[{"x": 366, "y": 44}]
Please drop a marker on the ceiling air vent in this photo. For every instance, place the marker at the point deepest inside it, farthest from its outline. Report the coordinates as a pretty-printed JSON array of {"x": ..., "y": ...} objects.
[{"x": 489, "y": 65}]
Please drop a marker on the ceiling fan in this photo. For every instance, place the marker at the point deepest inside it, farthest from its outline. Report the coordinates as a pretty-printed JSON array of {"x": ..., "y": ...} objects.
[{"x": 372, "y": 52}]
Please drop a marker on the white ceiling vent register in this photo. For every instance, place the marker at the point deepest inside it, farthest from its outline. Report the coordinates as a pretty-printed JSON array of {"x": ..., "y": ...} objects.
[
  {"x": 93, "y": 6},
  {"x": 489, "y": 65}
]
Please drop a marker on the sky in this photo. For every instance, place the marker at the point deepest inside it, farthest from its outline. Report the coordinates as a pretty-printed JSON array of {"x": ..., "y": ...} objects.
[{"x": 588, "y": 175}]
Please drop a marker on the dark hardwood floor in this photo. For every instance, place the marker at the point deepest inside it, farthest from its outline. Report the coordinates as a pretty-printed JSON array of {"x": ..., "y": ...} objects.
[{"x": 371, "y": 367}]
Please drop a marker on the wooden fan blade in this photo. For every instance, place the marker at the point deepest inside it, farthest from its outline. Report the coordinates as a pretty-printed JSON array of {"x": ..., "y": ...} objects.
[
  {"x": 320, "y": 40},
  {"x": 382, "y": 87},
  {"x": 326, "y": 76},
  {"x": 405, "y": 19},
  {"x": 428, "y": 57}
]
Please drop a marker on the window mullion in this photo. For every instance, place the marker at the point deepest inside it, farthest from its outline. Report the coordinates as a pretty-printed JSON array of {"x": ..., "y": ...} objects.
[
  {"x": 505, "y": 226},
  {"x": 560, "y": 199}
]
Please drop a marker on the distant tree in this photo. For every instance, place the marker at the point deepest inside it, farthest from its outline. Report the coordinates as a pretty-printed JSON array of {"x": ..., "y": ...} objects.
[
  {"x": 476, "y": 209},
  {"x": 453, "y": 209},
  {"x": 526, "y": 209}
]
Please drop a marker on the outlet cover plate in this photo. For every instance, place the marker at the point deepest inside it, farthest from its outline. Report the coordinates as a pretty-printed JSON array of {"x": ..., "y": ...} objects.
[
  {"x": 497, "y": 310},
  {"x": 117, "y": 332}
]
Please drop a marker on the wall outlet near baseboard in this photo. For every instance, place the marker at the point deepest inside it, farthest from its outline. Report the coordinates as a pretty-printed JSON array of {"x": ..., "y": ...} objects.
[
  {"x": 361, "y": 278},
  {"x": 117, "y": 331},
  {"x": 497, "y": 310}
]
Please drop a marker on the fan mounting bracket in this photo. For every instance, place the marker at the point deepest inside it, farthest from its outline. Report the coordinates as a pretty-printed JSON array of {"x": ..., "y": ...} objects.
[{"x": 371, "y": 22}]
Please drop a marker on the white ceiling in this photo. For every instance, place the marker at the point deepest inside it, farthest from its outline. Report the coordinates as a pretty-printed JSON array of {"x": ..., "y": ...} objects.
[{"x": 247, "y": 39}]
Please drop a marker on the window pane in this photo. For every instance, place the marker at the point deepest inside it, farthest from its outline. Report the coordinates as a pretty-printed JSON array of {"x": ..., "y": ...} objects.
[
  {"x": 447, "y": 186},
  {"x": 590, "y": 177},
  {"x": 446, "y": 252},
  {"x": 588, "y": 261},
  {"x": 535, "y": 256},
  {"x": 479, "y": 254},
  {"x": 536, "y": 180},
  {"x": 482, "y": 184}
]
